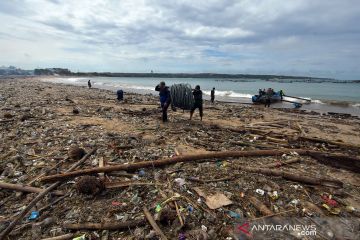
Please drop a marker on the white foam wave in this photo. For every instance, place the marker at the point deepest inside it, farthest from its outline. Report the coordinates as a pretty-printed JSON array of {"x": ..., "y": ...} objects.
[
  {"x": 138, "y": 87},
  {"x": 229, "y": 94},
  {"x": 317, "y": 101},
  {"x": 71, "y": 80},
  {"x": 356, "y": 105}
]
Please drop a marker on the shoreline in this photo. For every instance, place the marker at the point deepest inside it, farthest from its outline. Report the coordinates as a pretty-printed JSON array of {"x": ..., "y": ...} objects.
[{"x": 322, "y": 106}]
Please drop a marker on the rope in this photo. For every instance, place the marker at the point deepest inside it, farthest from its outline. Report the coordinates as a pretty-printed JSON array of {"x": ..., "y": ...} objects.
[{"x": 181, "y": 96}]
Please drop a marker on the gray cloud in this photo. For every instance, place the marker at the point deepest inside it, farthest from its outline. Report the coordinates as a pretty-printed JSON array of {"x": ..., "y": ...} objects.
[{"x": 272, "y": 36}]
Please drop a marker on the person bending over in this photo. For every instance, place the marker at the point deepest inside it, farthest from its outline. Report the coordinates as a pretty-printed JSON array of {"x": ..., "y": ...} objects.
[{"x": 165, "y": 99}]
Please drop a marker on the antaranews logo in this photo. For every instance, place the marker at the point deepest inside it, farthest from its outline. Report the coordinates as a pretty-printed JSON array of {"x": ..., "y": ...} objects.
[{"x": 252, "y": 229}]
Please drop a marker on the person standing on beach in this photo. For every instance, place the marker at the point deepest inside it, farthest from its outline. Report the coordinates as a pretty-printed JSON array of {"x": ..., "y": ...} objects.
[
  {"x": 212, "y": 95},
  {"x": 198, "y": 102},
  {"x": 268, "y": 95},
  {"x": 165, "y": 99},
  {"x": 282, "y": 94},
  {"x": 89, "y": 84}
]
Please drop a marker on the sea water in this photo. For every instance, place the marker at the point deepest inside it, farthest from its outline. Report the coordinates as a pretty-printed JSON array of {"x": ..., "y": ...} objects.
[{"x": 324, "y": 96}]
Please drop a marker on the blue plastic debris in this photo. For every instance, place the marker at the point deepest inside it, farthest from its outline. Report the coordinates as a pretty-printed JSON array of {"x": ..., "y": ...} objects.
[
  {"x": 234, "y": 214},
  {"x": 141, "y": 173},
  {"x": 34, "y": 215},
  {"x": 190, "y": 208},
  {"x": 182, "y": 236}
]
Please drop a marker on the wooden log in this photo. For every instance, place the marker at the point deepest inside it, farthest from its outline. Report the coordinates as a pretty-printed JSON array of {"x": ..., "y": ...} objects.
[
  {"x": 101, "y": 164},
  {"x": 39, "y": 197},
  {"x": 211, "y": 180},
  {"x": 153, "y": 224},
  {"x": 62, "y": 237},
  {"x": 264, "y": 210},
  {"x": 337, "y": 160},
  {"x": 112, "y": 185},
  {"x": 295, "y": 177},
  {"x": 173, "y": 160},
  {"x": 280, "y": 163},
  {"x": 24, "y": 188},
  {"x": 6, "y": 121},
  {"x": 337, "y": 143},
  {"x": 105, "y": 225}
]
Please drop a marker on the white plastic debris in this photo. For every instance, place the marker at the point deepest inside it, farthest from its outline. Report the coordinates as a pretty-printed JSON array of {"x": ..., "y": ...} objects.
[{"x": 260, "y": 191}]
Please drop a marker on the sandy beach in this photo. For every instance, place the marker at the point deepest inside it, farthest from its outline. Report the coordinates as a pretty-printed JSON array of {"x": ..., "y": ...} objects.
[{"x": 40, "y": 121}]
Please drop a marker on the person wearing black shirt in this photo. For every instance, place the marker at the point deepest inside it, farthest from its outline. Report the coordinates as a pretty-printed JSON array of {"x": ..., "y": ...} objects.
[
  {"x": 198, "y": 102},
  {"x": 212, "y": 95}
]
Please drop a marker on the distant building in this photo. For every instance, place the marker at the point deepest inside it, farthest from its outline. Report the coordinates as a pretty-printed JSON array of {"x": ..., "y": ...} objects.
[
  {"x": 11, "y": 70},
  {"x": 52, "y": 71}
]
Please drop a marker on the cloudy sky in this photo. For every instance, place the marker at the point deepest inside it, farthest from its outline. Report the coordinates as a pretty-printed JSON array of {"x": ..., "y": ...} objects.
[{"x": 299, "y": 37}]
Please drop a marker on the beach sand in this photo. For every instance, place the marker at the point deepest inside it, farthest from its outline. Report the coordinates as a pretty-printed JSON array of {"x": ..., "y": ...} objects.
[{"x": 37, "y": 127}]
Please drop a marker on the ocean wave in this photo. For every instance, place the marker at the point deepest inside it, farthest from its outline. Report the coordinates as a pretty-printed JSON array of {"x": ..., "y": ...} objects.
[
  {"x": 138, "y": 87},
  {"x": 74, "y": 80},
  {"x": 229, "y": 94},
  {"x": 356, "y": 105},
  {"x": 317, "y": 101}
]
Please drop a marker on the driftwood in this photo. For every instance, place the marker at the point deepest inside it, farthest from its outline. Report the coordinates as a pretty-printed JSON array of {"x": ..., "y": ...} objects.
[
  {"x": 111, "y": 185},
  {"x": 168, "y": 161},
  {"x": 295, "y": 177},
  {"x": 264, "y": 210},
  {"x": 337, "y": 160},
  {"x": 211, "y": 180},
  {"x": 194, "y": 158},
  {"x": 337, "y": 143},
  {"x": 105, "y": 225},
  {"x": 153, "y": 224},
  {"x": 280, "y": 163},
  {"x": 101, "y": 164},
  {"x": 62, "y": 237},
  {"x": 39, "y": 197},
  {"x": 6, "y": 121},
  {"x": 24, "y": 188}
]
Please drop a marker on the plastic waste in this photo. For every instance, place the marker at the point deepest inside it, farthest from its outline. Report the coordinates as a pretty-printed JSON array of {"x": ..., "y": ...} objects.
[
  {"x": 182, "y": 236},
  {"x": 273, "y": 195},
  {"x": 260, "y": 191},
  {"x": 34, "y": 215},
  {"x": 82, "y": 237},
  {"x": 329, "y": 201},
  {"x": 296, "y": 186},
  {"x": 204, "y": 228},
  {"x": 350, "y": 208},
  {"x": 158, "y": 208},
  {"x": 116, "y": 203},
  {"x": 141, "y": 173},
  {"x": 180, "y": 181},
  {"x": 190, "y": 208},
  {"x": 335, "y": 211},
  {"x": 234, "y": 215}
]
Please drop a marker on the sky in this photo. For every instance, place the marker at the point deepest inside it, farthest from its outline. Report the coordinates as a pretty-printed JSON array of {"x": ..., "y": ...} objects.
[{"x": 319, "y": 38}]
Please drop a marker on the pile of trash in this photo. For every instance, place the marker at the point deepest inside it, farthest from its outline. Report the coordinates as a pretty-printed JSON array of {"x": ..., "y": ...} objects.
[{"x": 77, "y": 164}]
